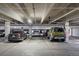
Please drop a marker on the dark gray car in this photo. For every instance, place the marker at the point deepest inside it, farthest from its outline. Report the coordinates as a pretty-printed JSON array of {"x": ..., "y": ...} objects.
[{"x": 16, "y": 35}]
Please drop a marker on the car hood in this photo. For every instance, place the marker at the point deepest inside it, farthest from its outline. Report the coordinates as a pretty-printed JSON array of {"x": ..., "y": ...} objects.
[{"x": 58, "y": 33}]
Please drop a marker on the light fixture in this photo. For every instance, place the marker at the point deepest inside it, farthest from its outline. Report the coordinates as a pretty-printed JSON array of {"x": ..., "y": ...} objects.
[{"x": 29, "y": 21}]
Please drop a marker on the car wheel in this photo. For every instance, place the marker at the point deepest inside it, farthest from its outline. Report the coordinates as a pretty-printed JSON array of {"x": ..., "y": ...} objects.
[
  {"x": 62, "y": 40},
  {"x": 15, "y": 41},
  {"x": 51, "y": 39},
  {"x": 10, "y": 40}
]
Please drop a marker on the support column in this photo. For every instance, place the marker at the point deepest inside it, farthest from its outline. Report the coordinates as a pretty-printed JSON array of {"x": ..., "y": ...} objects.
[
  {"x": 67, "y": 31},
  {"x": 30, "y": 31},
  {"x": 7, "y": 29}
]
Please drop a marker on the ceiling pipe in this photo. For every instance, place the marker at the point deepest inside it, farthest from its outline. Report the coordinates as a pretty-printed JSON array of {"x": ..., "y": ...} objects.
[
  {"x": 34, "y": 11},
  {"x": 46, "y": 11},
  {"x": 64, "y": 15}
]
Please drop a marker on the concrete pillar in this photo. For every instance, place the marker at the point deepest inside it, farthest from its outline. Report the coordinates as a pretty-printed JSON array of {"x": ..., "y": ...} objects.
[
  {"x": 30, "y": 31},
  {"x": 7, "y": 29},
  {"x": 67, "y": 31}
]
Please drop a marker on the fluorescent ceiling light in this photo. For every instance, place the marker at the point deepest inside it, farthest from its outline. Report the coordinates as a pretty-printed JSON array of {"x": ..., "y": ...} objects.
[{"x": 29, "y": 21}]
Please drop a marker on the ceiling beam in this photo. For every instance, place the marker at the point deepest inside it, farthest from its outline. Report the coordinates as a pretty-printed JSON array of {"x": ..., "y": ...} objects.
[
  {"x": 14, "y": 14},
  {"x": 72, "y": 19},
  {"x": 22, "y": 10},
  {"x": 64, "y": 15},
  {"x": 7, "y": 11},
  {"x": 34, "y": 9},
  {"x": 6, "y": 18},
  {"x": 60, "y": 9},
  {"x": 46, "y": 11}
]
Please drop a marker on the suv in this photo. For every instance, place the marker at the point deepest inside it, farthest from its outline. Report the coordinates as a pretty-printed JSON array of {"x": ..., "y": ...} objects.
[
  {"x": 57, "y": 34},
  {"x": 16, "y": 35}
]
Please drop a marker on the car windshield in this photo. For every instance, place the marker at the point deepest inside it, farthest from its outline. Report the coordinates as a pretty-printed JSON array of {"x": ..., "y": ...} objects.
[
  {"x": 16, "y": 31},
  {"x": 58, "y": 29}
]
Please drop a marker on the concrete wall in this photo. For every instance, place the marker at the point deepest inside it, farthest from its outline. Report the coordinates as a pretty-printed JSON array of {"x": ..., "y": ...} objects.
[{"x": 75, "y": 30}]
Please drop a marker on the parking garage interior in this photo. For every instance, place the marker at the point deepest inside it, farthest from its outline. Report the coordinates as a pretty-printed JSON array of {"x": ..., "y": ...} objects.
[{"x": 34, "y": 20}]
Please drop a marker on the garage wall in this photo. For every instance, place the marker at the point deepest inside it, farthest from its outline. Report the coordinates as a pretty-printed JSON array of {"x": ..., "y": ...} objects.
[
  {"x": 2, "y": 27},
  {"x": 75, "y": 30}
]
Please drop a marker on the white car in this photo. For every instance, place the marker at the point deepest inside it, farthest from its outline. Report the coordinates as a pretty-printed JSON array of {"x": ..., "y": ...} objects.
[{"x": 36, "y": 33}]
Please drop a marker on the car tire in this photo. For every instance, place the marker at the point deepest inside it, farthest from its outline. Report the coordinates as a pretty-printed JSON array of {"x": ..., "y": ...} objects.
[
  {"x": 62, "y": 40},
  {"x": 15, "y": 41},
  {"x": 51, "y": 39}
]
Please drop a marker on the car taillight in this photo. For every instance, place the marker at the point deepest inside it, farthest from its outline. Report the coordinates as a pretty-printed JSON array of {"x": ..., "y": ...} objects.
[{"x": 18, "y": 35}]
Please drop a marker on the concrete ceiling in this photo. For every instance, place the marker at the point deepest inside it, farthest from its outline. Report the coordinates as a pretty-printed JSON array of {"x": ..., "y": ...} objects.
[{"x": 39, "y": 13}]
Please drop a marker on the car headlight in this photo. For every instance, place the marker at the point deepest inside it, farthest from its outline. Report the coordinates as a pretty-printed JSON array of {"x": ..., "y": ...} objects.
[{"x": 59, "y": 37}]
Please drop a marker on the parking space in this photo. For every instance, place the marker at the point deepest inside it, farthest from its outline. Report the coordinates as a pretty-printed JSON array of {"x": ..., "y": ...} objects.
[{"x": 38, "y": 47}]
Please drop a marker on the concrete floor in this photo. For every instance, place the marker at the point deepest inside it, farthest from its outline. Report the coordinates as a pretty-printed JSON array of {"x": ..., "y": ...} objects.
[{"x": 39, "y": 47}]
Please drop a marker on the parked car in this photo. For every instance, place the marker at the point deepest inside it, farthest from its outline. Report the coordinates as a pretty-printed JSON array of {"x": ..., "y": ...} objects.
[
  {"x": 43, "y": 32},
  {"x": 56, "y": 34},
  {"x": 16, "y": 35},
  {"x": 2, "y": 33},
  {"x": 36, "y": 33},
  {"x": 26, "y": 31}
]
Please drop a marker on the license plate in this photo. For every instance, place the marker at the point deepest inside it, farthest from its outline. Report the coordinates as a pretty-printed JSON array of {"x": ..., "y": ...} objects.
[{"x": 59, "y": 37}]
